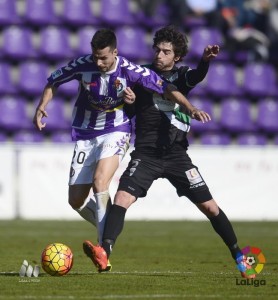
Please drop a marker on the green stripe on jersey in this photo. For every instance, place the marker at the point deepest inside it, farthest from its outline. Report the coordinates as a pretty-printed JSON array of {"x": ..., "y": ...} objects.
[{"x": 182, "y": 117}]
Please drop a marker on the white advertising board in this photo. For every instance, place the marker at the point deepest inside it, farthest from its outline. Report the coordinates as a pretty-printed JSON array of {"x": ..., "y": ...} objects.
[
  {"x": 243, "y": 181},
  {"x": 8, "y": 188}
]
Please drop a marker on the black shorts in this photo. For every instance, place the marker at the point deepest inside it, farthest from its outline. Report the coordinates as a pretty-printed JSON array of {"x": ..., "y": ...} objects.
[{"x": 176, "y": 166}]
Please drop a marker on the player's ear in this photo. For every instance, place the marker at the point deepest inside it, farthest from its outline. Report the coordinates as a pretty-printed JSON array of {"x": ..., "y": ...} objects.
[
  {"x": 177, "y": 58},
  {"x": 115, "y": 52}
]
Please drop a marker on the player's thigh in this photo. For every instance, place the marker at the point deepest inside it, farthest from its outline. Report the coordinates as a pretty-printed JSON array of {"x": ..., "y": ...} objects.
[
  {"x": 140, "y": 174},
  {"x": 187, "y": 180},
  {"x": 77, "y": 194},
  {"x": 105, "y": 170},
  {"x": 83, "y": 163}
]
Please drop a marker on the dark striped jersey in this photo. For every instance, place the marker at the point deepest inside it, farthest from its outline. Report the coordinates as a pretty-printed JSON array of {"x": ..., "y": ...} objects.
[{"x": 159, "y": 122}]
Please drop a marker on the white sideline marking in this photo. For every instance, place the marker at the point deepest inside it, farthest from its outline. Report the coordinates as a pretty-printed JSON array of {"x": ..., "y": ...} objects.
[{"x": 154, "y": 296}]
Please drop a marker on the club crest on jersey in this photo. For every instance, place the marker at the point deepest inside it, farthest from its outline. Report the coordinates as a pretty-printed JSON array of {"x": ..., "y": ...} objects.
[
  {"x": 159, "y": 82},
  {"x": 56, "y": 74},
  {"x": 119, "y": 85}
]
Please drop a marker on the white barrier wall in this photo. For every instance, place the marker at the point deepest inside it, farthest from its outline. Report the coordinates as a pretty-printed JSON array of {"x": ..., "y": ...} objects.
[
  {"x": 244, "y": 181},
  {"x": 8, "y": 187}
]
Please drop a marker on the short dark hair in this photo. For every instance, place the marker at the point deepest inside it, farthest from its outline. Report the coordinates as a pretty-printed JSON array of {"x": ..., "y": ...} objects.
[
  {"x": 171, "y": 34},
  {"x": 104, "y": 38}
]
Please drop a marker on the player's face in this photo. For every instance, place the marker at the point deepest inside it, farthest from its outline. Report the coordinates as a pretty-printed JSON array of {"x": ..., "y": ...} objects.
[
  {"x": 105, "y": 59},
  {"x": 164, "y": 59}
]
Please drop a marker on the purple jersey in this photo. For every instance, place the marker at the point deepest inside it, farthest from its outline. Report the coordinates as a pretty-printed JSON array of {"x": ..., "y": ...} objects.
[{"x": 99, "y": 108}]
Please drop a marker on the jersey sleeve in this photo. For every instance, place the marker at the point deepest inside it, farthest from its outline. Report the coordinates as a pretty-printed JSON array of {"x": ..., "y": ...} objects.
[
  {"x": 64, "y": 74},
  {"x": 143, "y": 76}
]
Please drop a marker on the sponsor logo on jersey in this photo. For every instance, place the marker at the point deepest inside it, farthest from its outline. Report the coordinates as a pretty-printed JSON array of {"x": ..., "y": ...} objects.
[
  {"x": 194, "y": 178},
  {"x": 93, "y": 84},
  {"x": 163, "y": 104},
  {"x": 56, "y": 74}
]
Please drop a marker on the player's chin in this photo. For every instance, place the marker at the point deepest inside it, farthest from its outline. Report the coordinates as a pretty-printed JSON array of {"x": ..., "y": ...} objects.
[{"x": 159, "y": 66}]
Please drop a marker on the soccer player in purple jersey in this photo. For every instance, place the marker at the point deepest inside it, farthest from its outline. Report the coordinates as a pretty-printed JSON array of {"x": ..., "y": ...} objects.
[
  {"x": 161, "y": 148},
  {"x": 101, "y": 127}
]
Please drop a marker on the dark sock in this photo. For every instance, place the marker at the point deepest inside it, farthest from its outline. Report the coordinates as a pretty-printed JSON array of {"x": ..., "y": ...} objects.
[
  {"x": 223, "y": 227},
  {"x": 113, "y": 227}
]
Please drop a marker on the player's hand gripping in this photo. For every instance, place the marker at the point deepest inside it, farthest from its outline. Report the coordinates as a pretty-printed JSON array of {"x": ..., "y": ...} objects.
[
  {"x": 210, "y": 52},
  {"x": 37, "y": 120},
  {"x": 200, "y": 115},
  {"x": 129, "y": 96}
]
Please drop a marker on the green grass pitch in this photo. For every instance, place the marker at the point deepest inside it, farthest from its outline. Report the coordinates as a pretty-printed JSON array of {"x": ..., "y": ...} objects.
[{"x": 151, "y": 260}]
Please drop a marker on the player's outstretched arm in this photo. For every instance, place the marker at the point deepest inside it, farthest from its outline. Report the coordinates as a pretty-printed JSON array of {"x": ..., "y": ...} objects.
[
  {"x": 40, "y": 112},
  {"x": 210, "y": 52},
  {"x": 173, "y": 94}
]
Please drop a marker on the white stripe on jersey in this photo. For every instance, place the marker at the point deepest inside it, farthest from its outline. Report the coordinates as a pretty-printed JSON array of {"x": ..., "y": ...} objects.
[
  {"x": 100, "y": 121},
  {"x": 119, "y": 117},
  {"x": 86, "y": 120},
  {"x": 181, "y": 126},
  {"x": 104, "y": 82}
]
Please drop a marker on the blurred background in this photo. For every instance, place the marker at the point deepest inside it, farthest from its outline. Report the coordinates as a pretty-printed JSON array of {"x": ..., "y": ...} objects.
[{"x": 240, "y": 92}]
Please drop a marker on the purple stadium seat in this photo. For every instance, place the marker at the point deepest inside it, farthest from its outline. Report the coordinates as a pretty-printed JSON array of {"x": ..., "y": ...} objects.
[
  {"x": 215, "y": 139},
  {"x": 14, "y": 114},
  {"x": 61, "y": 136},
  {"x": 159, "y": 19},
  {"x": 3, "y": 137},
  {"x": 6, "y": 82},
  {"x": 55, "y": 43},
  {"x": 221, "y": 80},
  {"x": 40, "y": 13},
  {"x": 251, "y": 139},
  {"x": 132, "y": 43},
  {"x": 57, "y": 118},
  {"x": 200, "y": 90},
  {"x": 267, "y": 117},
  {"x": 236, "y": 115},
  {"x": 259, "y": 80},
  {"x": 8, "y": 13},
  {"x": 78, "y": 13},
  {"x": 84, "y": 36},
  {"x": 32, "y": 77},
  {"x": 200, "y": 37},
  {"x": 28, "y": 136},
  {"x": 17, "y": 43},
  {"x": 206, "y": 105},
  {"x": 116, "y": 13}
]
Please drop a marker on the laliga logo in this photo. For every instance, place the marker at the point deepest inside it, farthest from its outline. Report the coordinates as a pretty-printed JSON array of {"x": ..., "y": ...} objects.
[
  {"x": 251, "y": 262},
  {"x": 254, "y": 261}
]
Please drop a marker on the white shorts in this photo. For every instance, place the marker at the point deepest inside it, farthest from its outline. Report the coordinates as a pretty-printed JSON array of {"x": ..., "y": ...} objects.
[{"x": 87, "y": 153}]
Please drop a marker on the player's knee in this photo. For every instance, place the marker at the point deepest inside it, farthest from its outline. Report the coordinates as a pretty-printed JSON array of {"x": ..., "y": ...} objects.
[
  {"x": 75, "y": 202},
  {"x": 100, "y": 184},
  {"x": 209, "y": 208},
  {"x": 124, "y": 199}
]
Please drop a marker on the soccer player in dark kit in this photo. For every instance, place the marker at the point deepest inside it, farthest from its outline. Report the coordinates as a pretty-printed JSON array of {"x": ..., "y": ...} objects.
[{"x": 161, "y": 148}]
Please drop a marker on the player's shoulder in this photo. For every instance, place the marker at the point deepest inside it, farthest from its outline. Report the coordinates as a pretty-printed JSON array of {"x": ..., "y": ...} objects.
[
  {"x": 132, "y": 68},
  {"x": 80, "y": 62},
  {"x": 183, "y": 69}
]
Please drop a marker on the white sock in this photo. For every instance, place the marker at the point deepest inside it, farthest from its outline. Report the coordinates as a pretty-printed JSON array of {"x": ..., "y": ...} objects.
[
  {"x": 103, "y": 203},
  {"x": 88, "y": 211}
]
